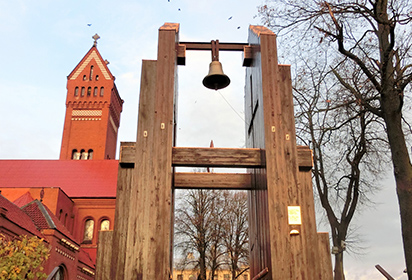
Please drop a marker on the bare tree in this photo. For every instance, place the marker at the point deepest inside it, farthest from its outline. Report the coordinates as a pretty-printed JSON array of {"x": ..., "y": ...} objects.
[
  {"x": 216, "y": 250},
  {"x": 195, "y": 226},
  {"x": 373, "y": 36},
  {"x": 235, "y": 234},
  {"x": 211, "y": 230},
  {"x": 345, "y": 143}
]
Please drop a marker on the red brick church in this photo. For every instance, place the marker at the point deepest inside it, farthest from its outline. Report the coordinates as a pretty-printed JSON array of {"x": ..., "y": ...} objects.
[{"x": 69, "y": 200}]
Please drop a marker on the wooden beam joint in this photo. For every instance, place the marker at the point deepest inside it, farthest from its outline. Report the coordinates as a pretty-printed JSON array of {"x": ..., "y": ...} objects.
[{"x": 215, "y": 157}]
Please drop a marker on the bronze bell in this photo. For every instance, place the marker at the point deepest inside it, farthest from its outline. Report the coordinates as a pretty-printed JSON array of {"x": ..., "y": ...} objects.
[{"x": 216, "y": 79}]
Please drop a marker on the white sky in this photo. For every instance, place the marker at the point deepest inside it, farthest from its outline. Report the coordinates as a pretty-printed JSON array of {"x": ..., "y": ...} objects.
[{"x": 42, "y": 41}]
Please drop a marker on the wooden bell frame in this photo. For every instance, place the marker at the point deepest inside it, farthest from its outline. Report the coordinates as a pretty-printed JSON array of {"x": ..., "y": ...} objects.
[{"x": 283, "y": 240}]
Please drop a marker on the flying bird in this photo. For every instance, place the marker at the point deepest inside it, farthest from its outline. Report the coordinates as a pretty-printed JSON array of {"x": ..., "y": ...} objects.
[
  {"x": 230, "y": 18},
  {"x": 238, "y": 27},
  {"x": 89, "y": 24}
]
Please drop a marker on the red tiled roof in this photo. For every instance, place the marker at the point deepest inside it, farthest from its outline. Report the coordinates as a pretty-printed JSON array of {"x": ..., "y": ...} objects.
[
  {"x": 32, "y": 210},
  {"x": 17, "y": 216},
  {"x": 85, "y": 258},
  {"x": 24, "y": 199},
  {"x": 44, "y": 218},
  {"x": 77, "y": 178}
]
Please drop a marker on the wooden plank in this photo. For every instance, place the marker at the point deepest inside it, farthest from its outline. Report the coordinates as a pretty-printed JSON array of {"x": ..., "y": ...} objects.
[
  {"x": 150, "y": 228},
  {"x": 310, "y": 254},
  {"x": 259, "y": 246},
  {"x": 325, "y": 259},
  {"x": 279, "y": 184},
  {"x": 104, "y": 255},
  {"x": 217, "y": 157},
  {"x": 280, "y": 162},
  {"x": 207, "y": 46},
  {"x": 123, "y": 259},
  {"x": 127, "y": 154},
  {"x": 181, "y": 54},
  {"x": 305, "y": 158},
  {"x": 247, "y": 56},
  {"x": 181, "y": 156},
  {"x": 288, "y": 161},
  {"x": 199, "y": 180}
]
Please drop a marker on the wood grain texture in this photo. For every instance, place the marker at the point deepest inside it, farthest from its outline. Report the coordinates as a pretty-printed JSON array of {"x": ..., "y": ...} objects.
[
  {"x": 125, "y": 181},
  {"x": 127, "y": 154},
  {"x": 325, "y": 259},
  {"x": 259, "y": 242},
  {"x": 216, "y": 157},
  {"x": 104, "y": 255},
  {"x": 150, "y": 227},
  {"x": 286, "y": 179},
  {"x": 199, "y": 180},
  {"x": 311, "y": 257}
]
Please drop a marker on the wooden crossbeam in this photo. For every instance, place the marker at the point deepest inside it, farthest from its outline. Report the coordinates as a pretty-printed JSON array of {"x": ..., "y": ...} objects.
[
  {"x": 204, "y": 46},
  {"x": 216, "y": 157},
  {"x": 199, "y": 180}
]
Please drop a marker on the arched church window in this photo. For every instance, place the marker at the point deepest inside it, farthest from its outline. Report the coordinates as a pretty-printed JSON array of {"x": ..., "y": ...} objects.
[
  {"x": 60, "y": 214},
  {"x": 84, "y": 78},
  {"x": 95, "y": 91},
  {"x": 91, "y": 73},
  {"x": 83, "y": 154},
  {"x": 82, "y": 92},
  {"x": 58, "y": 273},
  {"x": 105, "y": 225},
  {"x": 75, "y": 154},
  {"x": 88, "y": 230},
  {"x": 76, "y": 91},
  {"x": 102, "y": 91},
  {"x": 89, "y": 91},
  {"x": 65, "y": 220},
  {"x": 90, "y": 152},
  {"x": 97, "y": 77}
]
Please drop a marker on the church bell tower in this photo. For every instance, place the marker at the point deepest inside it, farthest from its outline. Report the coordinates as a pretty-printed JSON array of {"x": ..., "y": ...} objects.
[{"x": 93, "y": 107}]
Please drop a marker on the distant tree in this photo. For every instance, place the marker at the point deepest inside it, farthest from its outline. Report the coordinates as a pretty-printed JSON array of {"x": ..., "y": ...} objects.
[
  {"x": 346, "y": 142},
  {"x": 216, "y": 250},
  {"x": 211, "y": 231},
  {"x": 197, "y": 229},
  {"x": 235, "y": 231},
  {"x": 22, "y": 257},
  {"x": 373, "y": 40}
]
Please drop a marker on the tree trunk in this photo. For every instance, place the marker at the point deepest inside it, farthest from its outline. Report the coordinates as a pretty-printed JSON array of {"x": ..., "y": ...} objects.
[
  {"x": 202, "y": 267},
  {"x": 339, "y": 273},
  {"x": 391, "y": 103},
  {"x": 403, "y": 176},
  {"x": 405, "y": 205}
]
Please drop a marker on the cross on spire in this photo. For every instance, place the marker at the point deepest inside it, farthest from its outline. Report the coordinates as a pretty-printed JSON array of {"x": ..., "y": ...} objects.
[{"x": 95, "y": 37}]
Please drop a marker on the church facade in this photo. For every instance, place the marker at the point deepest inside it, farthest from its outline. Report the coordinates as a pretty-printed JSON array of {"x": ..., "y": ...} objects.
[{"x": 67, "y": 201}]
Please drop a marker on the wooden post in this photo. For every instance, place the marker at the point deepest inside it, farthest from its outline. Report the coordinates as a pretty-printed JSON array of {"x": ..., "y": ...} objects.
[
  {"x": 149, "y": 233},
  {"x": 104, "y": 255},
  {"x": 325, "y": 259},
  {"x": 125, "y": 181},
  {"x": 284, "y": 247}
]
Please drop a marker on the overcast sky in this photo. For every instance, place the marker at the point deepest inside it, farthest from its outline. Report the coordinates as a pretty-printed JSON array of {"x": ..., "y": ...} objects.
[{"x": 42, "y": 42}]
